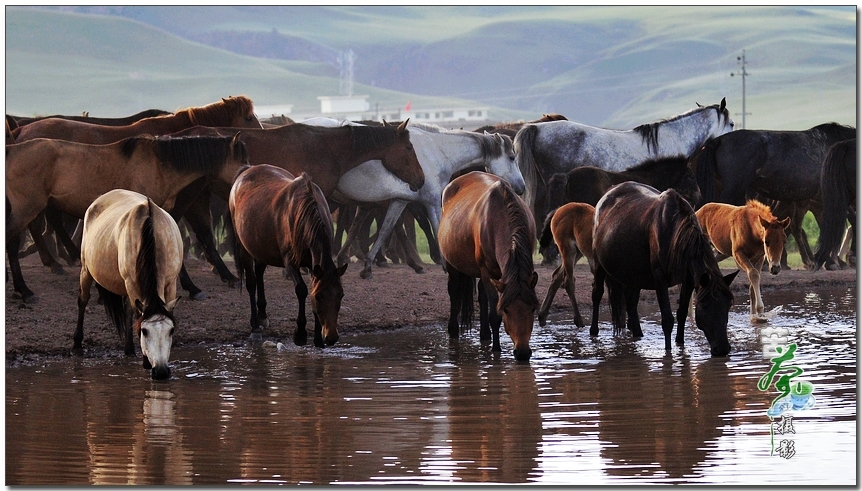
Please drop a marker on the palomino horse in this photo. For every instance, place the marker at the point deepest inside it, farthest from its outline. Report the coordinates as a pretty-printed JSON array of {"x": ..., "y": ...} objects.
[
  {"x": 571, "y": 227},
  {"x": 237, "y": 112},
  {"x": 441, "y": 153},
  {"x": 132, "y": 249},
  {"x": 751, "y": 234},
  {"x": 646, "y": 240},
  {"x": 838, "y": 190},
  {"x": 284, "y": 221},
  {"x": 545, "y": 149},
  {"x": 486, "y": 231},
  {"x": 70, "y": 176}
]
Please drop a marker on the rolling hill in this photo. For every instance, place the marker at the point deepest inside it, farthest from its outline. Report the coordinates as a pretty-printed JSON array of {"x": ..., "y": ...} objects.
[{"x": 607, "y": 66}]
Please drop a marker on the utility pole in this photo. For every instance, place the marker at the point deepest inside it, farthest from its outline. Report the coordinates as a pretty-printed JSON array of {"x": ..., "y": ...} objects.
[{"x": 743, "y": 73}]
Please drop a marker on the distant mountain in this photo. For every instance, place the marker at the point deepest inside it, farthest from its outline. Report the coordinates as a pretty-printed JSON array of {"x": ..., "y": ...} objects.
[{"x": 606, "y": 66}]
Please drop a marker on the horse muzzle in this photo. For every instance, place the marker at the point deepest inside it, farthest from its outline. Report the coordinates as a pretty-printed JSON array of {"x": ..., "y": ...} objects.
[
  {"x": 523, "y": 354},
  {"x": 720, "y": 351},
  {"x": 774, "y": 268},
  {"x": 162, "y": 372}
]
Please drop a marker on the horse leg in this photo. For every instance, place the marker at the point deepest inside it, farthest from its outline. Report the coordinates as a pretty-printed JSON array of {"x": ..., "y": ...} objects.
[
  {"x": 756, "y": 307},
  {"x": 396, "y": 207},
  {"x": 356, "y": 227},
  {"x": 85, "y": 284},
  {"x": 259, "y": 270},
  {"x": 36, "y": 228},
  {"x": 599, "y": 276},
  {"x": 484, "y": 321},
  {"x": 685, "y": 291},
  {"x": 557, "y": 279},
  {"x": 453, "y": 287},
  {"x": 494, "y": 318},
  {"x": 632, "y": 296},
  {"x": 421, "y": 215},
  {"x": 411, "y": 255},
  {"x": 667, "y": 319},
  {"x": 200, "y": 220},
  {"x": 188, "y": 285},
  {"x": 13, "y": 243},
  {"x": 55, "y": 220},
  {"x": 300, "y": 336},
  {"x": 570, "y": 285}
]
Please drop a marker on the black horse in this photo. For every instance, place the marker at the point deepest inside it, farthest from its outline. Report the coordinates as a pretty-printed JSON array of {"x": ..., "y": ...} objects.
[
  {"x": 646, "y": 240},
  {"x": 838, "y": 190}
]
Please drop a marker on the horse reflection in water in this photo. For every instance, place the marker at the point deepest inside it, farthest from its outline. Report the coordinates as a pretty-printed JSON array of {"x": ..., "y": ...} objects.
[
  {"x": 487, "y": 232},
  {"x": 132, "y": 249}
]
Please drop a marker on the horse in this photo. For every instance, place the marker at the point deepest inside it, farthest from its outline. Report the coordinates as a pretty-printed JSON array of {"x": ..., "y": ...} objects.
[
  {"x": 751, "y": 234},
  {"x": 122, "y": 121},
  {"x": 236, "y": 112},
  {"x": 284, "y": 221},
  {"x": 838, "y": 191},
  {"x": 487, "y": 232},
  {"x": 69, "y": 176},
  {"x": 441, "y": 153},
  {"x": 779, "y": 165},
  {"x": 643, "y": 239},
  {"x": 132, "y": 249},
  {"x": 510, "y": 129},
  {"x": 545, "y": 149},
  {"x": 571, "y": 227}
]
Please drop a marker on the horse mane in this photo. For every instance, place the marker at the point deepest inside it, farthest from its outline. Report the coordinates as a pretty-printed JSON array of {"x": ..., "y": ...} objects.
[
  {"x": 220, "y": 112},
  {"x": 147, "y": 273},
  {"x": 525, "y": 142},
  {"x": 310, "y": 227},
  {"x": 691, "y": 251},
  {"x": 188, "y": 154},
  {"x": 762, "y": 209},
  {"x": 519, "y": 267},
  {"x": 649, "y": 131},
  {"x": 365, "y": 138}
]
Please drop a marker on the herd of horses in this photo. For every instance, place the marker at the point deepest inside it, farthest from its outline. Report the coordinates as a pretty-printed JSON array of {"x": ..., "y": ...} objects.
[{"x": 650, "y": 208}]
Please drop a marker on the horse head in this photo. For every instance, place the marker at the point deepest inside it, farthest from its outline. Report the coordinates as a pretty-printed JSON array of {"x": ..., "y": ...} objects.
[
  {"x": 518, "y": 312},
  {"x": 714, "y": 300},
  {"x": 774, "y": 237},
  {"x": 326, "y": 295},
  {"x": 156, "y": 326},
  {"x": 500, "y": 160},
  {"x": 401, "y": 160}
]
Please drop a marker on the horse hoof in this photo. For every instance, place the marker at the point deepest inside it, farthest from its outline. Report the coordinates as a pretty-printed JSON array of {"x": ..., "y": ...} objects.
[
  {"x": 759, "y": 319},
  {"x": 58, "y": 270},
  {"x": 255, "y": 337},
  {"x": 263, "y": 323},
  {"x": 542, "y": 319},
  {"x": 198, "y": 296},
  {"x": 29, "y": 299},
  {"x": 77, "y": 351},
  {"x": 579, "y": 323},
  {"x": 366, "y": 274},
  {"x": 419, "y": 270}
]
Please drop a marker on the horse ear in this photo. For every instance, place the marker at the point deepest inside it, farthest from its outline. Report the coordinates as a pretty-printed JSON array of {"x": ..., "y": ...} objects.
[
  {"x": 498, "y": 285},
  {"x": 729, "y": 278},
  {"x": 385, "y": 123},
  {"x": 723, "y": 104},
  {"x": 342, "y": 269},
  {"x": 235, "y": 139},
  {"x": 173, "y": 303},
  {"x": 403, "y": 126},
  {"x": 764, "y": 222},
  {"x": 698, "y": 104},
  {"x": 785, "y": 223},
  {"x": 534, "y": 278}
]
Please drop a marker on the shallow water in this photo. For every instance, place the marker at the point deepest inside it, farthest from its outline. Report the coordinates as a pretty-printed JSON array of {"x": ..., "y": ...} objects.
[{"x": 405, "y": 406}]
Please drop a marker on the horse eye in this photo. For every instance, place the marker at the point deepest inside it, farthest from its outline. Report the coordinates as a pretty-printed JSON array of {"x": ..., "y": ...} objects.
[{"x": 145, "y": 332}]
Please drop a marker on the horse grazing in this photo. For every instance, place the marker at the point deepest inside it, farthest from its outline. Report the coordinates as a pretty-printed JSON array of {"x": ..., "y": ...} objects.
[
  {"x": 643, "y": 239},
  {"x": 69, "y": 176},
  {"x": 545, "y": 149},
  {"x": 236, "y": 112},
  {"x": 486, "y": 231},
  {"x": 283, "y": 221},
  {"x": 838, "y": 190},
  {"x": 132, "y": 249},
  {"x": 571, "y": 227},
  {"x": 751, "y": 234}
]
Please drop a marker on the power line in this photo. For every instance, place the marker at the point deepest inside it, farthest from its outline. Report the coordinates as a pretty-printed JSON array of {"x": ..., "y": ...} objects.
[{"x": 742, "y": 72}]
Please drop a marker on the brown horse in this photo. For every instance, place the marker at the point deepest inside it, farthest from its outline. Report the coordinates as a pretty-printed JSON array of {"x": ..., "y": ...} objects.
[
  {"x": 284, "y": 221},
  {"x": 751, "y": 234},
  {"x": 236, "y": 111},
  {"x": 511, "y": 128},
  {"x": 571, "y": 227},
  {"x": 70, "y": 176},
  {"x": 646, "y": 240},
  {"x": 86, "y": 118},
  {"x": 487, "y": 232},
  {"x": 132, "y": 249}
]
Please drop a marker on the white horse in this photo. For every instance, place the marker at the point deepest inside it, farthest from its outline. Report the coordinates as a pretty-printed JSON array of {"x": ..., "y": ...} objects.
[
  {"x": 441, "y": 154},
  {"x": 545, "y": 149},
  {"x": 132, "y": 249}
]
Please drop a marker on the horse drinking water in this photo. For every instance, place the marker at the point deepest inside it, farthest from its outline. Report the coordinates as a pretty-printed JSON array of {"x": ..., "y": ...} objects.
[
  {"x": 644, "y": 239},
  {"x": 284, "y": 221},
  {"x": 751, "y": 234},
  {"x": 486, "y": 231},
  {"x": 133, "y": 250}
]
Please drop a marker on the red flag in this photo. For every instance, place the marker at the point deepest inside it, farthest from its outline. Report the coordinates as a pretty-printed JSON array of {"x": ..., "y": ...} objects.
[{"x": 407, "y": 107}]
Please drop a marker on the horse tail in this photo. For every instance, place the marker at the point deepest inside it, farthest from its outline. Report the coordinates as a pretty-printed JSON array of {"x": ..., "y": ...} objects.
[
  {"x": 547, "y": 236},
  {"x": 115, "y": 308},
  {"x": 833, "y": 188},
  {"x": 707, "y": 170},
  {"x": 461, "y": 287},
  {"x": 145, "y": 265},
  {"x": 525, "y": 141},
  {"x": 556, "y": 192}
]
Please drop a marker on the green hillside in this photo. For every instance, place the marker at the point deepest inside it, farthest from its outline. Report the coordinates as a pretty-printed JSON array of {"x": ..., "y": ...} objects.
[{"x": 607, "y": 66}]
